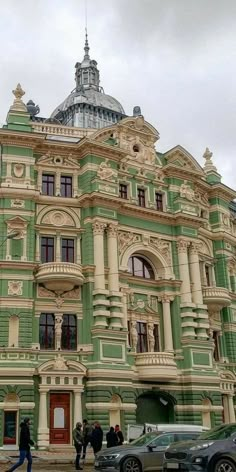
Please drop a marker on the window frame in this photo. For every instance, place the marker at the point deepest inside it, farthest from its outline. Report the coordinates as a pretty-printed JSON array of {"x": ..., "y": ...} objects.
[
  {"x": 48, "y": 247},
  {"x": 141, "y": 196},
  {"x": 48, "y": 184},
  {"x": 66, "y": 327},
  {"x": 159, "y": 203},
  {"x": 68, "y": 249},
  {"x": 46, "y": 325},
  {"x": 66, "y": 185},
  {"x": 143, "y": 261},
  {"x": 142, "y": 343},
  {"x": 123, "y": 191}
]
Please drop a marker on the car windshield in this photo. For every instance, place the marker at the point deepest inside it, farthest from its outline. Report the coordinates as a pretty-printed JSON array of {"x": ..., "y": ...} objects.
[
  {"x": 145, "y": 439},
  {"x": 220, "y": 432}
]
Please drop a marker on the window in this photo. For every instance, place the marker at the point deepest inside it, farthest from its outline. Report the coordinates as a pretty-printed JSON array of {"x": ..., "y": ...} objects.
[
  {"x": 47, "y": 249},
  {"x": 123, "y": 191},
  {"x": 207, "y": 275},
  {"x": 164, "y": 440},
  {"x": 67, "y": 250},
  {"x": 142, "y": 345},
  {"x": 10, "y": 422},
  {"x": 66, "y": 186},
  {"x": 156, "y": 338},
  {"x": 46, "y": 331},
  {"x": 69, "y": 332},
  {"x": 159, "y": 201},
  {"x": 48, "y": 184},
  {"x": 139, "y": 267},
  {"x": 141, "y": 197},
  {"x": 216, "y": 355}
]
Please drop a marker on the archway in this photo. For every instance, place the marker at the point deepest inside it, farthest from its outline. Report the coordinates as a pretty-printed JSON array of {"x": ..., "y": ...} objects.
[
  {"x": 206, "y": 413},
  {"x": 115, "y": 406},
  {"x": 155, "y": 408}
]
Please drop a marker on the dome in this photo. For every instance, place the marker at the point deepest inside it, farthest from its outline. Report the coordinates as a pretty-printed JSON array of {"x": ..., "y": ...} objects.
[
  {"x": 90, "y": 97},
  {"x": 88, "y": 106}
]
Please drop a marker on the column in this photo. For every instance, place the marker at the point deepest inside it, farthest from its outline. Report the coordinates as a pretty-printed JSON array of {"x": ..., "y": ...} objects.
[
  {"x": 43, "y": 431},
  {"x": 113, "y": 278},
  {"x": 188, "y": 324},
  {"x": 168, "y": 339},
  {"x": 24, "y": 255},
  {"x": 40, "y": 181},
  {"x": 77, "y": 408},
  {"x": 226, "y": 409},
  {"x": 78, "y": 249},
  {"x": 100, "y": 301},
  {"x": 27, "y": 174},
  {"x": 58, "y": 184},
  {"x": 195, "y": 274},
  {"x": 231, "y": 409},
  {"x": 58, "y": 247},
  {"x": 37, "y": 248},
  {"x": 124, "y": 307},
  {"x": 99, "y": 276},
  {"x": 75, "y": 184},
  {"x": 58, "y": 330}
]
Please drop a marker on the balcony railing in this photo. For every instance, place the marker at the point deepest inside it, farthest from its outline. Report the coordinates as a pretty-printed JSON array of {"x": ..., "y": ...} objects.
[
  {"x": 58, "y": 130},
  {"x": 217, "y": 296},
  {"x": 60, "y": 275},
  {"x": 156, "y": 366}
]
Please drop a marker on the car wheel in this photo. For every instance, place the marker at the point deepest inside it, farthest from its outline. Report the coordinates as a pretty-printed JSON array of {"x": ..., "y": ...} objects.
[
  {"x": 131, "y": 464},
  {"x": 224, "y": 465}
]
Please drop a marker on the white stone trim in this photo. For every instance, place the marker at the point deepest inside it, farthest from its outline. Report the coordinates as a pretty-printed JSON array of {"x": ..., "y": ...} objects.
[
  {"x": 111, "y": 406},
  {"x": 201, "y": 408}
]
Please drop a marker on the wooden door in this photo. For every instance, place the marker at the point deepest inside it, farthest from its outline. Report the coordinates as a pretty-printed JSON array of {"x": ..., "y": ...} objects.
[{"x": 59, "y": 418}]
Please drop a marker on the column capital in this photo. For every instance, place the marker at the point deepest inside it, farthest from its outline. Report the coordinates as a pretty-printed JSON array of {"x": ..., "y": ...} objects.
[
  {"x": 112, "y": 229},
  {"x": 166, "y": 298},
  {"x": 182, "y": 245},
  {"x": 195, "y": 247},
  {"x": 98, "y": 227}
]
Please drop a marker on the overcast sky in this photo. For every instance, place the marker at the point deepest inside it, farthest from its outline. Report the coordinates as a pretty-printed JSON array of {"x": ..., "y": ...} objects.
[{"x": 174, "y": 58}]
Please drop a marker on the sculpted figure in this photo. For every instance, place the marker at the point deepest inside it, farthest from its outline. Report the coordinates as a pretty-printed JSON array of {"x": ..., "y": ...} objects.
[
  {"x": 151, "y": 339},
  {"x": 133, "y": 334},
  {"x": 58, "y": 330}
]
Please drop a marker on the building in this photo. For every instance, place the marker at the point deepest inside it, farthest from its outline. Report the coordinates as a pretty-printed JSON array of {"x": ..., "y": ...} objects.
[{"x": 118, "y": 293}]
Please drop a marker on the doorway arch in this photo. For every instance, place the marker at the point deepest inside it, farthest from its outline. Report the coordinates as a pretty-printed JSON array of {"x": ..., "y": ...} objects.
[
  {"x": 155, "y": 408},
  {"x": 114, "y": 410}
]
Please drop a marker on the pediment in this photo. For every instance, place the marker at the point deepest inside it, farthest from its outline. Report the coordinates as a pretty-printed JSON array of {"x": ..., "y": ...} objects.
[
  {"x": 49, "y": 160},
  {"x": 179, "y": 157},
  {"x": 60, "y": 364}
]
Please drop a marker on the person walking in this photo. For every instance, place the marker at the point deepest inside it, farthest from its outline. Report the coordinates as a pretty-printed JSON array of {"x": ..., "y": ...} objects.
[
  {"x": 78, "y": 443},
  {"x": 24, "y": 446},
  {"x": 111, "y": 437},
  {"x": 86, "y": 437},
  {"x": 96, "y": 438},
  {"x": 119, "y": 434}
]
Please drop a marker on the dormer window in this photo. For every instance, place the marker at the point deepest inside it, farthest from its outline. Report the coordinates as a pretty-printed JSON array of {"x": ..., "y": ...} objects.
[{"x": 136, "y": 148}]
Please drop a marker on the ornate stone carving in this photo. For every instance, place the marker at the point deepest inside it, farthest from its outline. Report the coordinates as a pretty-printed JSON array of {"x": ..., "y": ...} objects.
[
  {"x": 208, "y": 166},
  {"x": 151, "y": 338},
  {"x": 98, "y": 227},
  {"x": 112, "y": 230},
  {"x": 16, "y": 203},
  {"x": 60, "y": 363},
  {"x": 58, "y": 330},
  {"x": 18, "y": 170},
  {"x": 105, "y": 172},
  {"x": 182, "y": 245},
  {"x": 75, "y": 293},
  {"x": 15, "y": 287},
  {"x": 187, "y": 192},
  {"x": 18, "y": 105},
  {"x": 195, "y": 248},
  {"x": 58, "y": 218},
  {"x": 232, "y": 266},
  {"x": 45, "y": 293},
  {"x": 133, "y": 334},
  {"x": 163, "y": 247},
  {"x": 59, "y": 301},
  {"x": 165, "y": 298},
  {"x": 125, "y": 239}
]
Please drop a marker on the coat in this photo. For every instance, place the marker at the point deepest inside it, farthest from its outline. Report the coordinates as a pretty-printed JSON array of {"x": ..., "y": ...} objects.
[
  {"x": 25, "y": 441},
  {"x": 96, "y": 438},
  {"x": 112, "y": 439}
]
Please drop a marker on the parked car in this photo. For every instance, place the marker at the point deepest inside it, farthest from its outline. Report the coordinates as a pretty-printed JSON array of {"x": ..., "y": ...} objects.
[
  {"x": 143, "y": 454},
  {"x": 213, "y": 451}
]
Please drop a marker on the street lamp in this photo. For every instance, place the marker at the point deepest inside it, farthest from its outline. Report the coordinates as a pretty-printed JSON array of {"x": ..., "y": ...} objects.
[{"x": 11, "y": 235}]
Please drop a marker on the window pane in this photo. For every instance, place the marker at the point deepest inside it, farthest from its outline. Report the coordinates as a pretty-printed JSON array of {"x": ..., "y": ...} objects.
[
  {"x": 139, "y": 267},
  {"x": 66, "y": 186},
  {"x": 67, "y": 250},
  {"x": 47, "y": 249},
  {"x": 142, "y": 337},
  {"x": 69, "y": 332},
  {"x": 46, "y": 331}
]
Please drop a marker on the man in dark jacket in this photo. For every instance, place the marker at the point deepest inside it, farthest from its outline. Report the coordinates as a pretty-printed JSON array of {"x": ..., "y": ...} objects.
[
  {"x": 87, "y": 430},
  {"x": 96, "y": 438},
  {"x": 24, "y": 446},
  {"x": 111, "y": 437},
  {"x": 78, "y": 443},
  {"x": 119, "y": 435}
]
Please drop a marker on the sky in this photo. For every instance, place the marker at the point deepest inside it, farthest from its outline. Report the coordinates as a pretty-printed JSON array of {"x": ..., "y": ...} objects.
[{"x": 176, "y": 59}]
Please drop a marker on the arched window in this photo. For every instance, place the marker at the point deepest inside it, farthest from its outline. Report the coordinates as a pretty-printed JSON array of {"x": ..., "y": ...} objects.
[{"x": 140, "y": 267}]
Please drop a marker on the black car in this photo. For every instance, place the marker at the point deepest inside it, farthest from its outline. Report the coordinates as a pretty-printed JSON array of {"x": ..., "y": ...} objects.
[{"x": 213, "y": 451}]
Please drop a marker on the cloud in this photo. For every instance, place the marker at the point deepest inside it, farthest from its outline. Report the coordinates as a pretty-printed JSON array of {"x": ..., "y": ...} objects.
[{"x": 175, "y": 58}]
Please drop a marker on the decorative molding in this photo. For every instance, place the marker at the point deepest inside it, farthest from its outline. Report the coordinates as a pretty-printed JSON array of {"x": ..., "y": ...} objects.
[
  {"x": 105, "y": 172},
  {"x": 125, "y": 239},
  {"x": 98, "y": 227},
  {"x": 17, "y": 203},
  {"x": 15, "y": 287}
]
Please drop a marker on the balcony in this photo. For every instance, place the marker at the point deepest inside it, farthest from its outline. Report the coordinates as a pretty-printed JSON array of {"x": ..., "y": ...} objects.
[
  {"x": 216, "y": 297},
  {"x": 59, "y": 276},
  {"x": 156, "y": 366}
]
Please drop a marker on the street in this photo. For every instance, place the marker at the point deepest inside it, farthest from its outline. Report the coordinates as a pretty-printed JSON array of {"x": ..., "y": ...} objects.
[{"x": 45, "y": 467}]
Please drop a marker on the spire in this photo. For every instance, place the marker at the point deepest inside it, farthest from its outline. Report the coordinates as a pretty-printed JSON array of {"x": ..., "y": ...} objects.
[
  {"x": 208, "y": 166},
  {"x": 86, "y": 46}
]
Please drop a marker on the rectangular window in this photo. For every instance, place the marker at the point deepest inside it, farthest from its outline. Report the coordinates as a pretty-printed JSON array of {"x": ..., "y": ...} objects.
[
  {"x": 67, "y": 250},
  {"x": 47, "y": 249},
  {"x": 141, "y": 197},
  {"x": 142, "y": 345},
  {"x": 69, "y": 332},
  {"x": 156, "y": 338},
  {"x": 207, "y": 275},
  {"x": 159, "y": 201},
  {"x": 216, "y": 354},
  {"x": 10, "y": 423},
  {"x": 47, "y": 331},
  {"x": 66, "y": 186},
  {"x": 48, "y": 184},
  {"x": 123, "y": 191}
]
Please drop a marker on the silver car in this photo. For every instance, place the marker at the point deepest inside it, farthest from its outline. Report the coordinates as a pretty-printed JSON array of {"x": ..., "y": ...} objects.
[{"x": 144, "y": 454}]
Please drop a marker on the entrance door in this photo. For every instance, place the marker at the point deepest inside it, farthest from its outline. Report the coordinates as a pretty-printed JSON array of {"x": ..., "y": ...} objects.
[
  {"x": 59, "y": 418},
  {"x": 10, "y": 421}
]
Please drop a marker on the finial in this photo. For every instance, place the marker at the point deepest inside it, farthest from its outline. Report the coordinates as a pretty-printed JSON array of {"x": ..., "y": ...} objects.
[
  {"x": 208, "y": 166},
  {"x": 18, "y": 105},
  {"x": 86, "y": 46}
]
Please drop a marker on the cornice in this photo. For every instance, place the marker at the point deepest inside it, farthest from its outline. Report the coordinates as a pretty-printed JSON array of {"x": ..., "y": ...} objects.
[{"x": 20, "y": 138}]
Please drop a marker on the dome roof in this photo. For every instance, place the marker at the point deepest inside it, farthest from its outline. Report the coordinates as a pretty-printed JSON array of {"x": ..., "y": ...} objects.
[{"x": 90, "y": 97}]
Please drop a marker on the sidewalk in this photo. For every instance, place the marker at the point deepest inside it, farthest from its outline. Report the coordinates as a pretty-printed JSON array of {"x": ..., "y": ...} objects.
[{"x": 48, "y": 457}]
